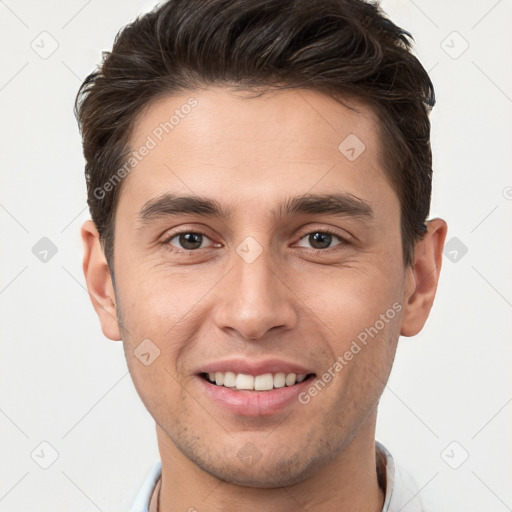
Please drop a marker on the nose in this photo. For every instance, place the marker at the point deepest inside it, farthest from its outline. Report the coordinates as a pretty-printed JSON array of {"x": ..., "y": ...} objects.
[{"x": 255, "y": 298}]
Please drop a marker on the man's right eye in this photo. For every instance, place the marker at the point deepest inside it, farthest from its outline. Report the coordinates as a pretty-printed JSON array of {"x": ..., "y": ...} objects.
[{"x": 186, "y": 240}]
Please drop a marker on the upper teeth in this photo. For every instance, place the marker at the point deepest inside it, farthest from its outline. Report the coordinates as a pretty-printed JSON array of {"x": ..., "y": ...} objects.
[{"x": 263, "y": 382}]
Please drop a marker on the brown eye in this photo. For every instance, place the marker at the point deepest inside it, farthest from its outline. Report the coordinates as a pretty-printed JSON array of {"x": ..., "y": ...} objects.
[
  {"x": 321, "y": 240},
  {"x": 187, "y": 240}
]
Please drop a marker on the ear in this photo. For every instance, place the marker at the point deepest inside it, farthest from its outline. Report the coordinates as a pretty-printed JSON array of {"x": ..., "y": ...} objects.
[
  {"x": 422, "y": 277},
  {"x": 99, "y": 281}
]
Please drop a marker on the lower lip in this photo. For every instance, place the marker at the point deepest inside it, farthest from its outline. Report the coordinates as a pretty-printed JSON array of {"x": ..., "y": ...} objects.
[{"x": 254, "y": 403}]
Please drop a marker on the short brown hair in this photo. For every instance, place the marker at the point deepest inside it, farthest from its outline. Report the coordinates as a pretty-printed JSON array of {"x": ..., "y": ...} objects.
[{"x": 344, "y": 48}]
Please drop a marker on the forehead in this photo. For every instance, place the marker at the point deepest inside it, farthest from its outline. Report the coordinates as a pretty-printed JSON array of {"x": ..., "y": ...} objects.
[{"x": 234, "y": 146}]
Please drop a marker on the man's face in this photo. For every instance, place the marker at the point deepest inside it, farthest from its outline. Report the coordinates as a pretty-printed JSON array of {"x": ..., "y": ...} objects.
[{"x": 265, "y": 289}]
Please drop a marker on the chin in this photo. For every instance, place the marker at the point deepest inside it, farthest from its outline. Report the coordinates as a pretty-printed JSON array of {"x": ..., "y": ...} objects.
[
  {"x": 266, "y": 461},
  {"x": 268, "y": 477},
  {"x": 266, "y": 471}
]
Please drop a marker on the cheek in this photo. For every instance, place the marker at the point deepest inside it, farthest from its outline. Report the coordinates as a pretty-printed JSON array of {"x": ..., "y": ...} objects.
[
  {"x": 362, "y": 340},
  {"x": 169, "y": 310},
  {"x": 156, "y": 316},
  {"x": 350, "y": 300},
  {"x": 155, "y": 299},
  {"x": 361, "y": 311}
]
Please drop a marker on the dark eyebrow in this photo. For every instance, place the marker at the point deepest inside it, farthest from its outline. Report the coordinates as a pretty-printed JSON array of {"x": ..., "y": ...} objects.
[
  {"x": 346, "y": 205},
  {"x": 170, "y": 204}
]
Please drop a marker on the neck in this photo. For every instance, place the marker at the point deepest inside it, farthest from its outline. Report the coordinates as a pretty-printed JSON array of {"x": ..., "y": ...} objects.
[{"x": 348, "y": 483}]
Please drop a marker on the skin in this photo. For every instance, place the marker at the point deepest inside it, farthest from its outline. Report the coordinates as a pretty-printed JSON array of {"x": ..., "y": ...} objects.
[{"x": 293, "y": 302}]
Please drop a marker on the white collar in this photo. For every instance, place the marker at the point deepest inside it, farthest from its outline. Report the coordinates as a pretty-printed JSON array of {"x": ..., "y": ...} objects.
[{"x": 402, "y": 493}]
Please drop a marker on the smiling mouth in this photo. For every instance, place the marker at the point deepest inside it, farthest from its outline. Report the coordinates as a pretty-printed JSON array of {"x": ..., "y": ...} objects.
[{"x": 264, "y": 382}]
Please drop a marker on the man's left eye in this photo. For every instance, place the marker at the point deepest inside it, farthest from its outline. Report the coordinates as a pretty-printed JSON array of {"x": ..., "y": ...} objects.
[{"x": 322, "y": 239}]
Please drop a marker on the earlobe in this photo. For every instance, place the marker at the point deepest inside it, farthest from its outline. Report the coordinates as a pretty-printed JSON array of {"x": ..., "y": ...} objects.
[
  {"x": 99, "y": 281},
  {"x": 422, "y": 278}
]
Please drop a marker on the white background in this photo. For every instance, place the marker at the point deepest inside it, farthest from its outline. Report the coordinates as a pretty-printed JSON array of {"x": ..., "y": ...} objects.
[{"x": 62, "y": 382}]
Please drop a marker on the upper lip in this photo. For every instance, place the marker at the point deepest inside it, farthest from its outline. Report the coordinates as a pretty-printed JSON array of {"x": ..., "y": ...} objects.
[{"x": 253, "y": 367}]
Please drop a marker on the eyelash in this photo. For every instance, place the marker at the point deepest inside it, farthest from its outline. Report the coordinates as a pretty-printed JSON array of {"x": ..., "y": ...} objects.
[{"x": 324, "y": 231}]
